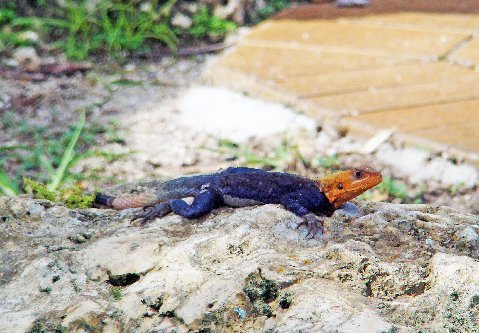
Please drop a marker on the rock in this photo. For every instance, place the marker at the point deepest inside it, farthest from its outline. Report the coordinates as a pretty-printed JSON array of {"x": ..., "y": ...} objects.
[
  {"x": 80, "y": 311},
  {"x": 365, "y": 323},
  {"x": 234, "y": 10},
  {"x": 467, "y": 237},
  {"x": 379, "y": 268},
  {"x": 419, "y": 167},
  {"x": 27, "y": 57},
  {"x": 181, "y": 20},
  {"x": 351, "y": 3},
  {"x": 10, "y": 62},
  {"x": 30, "y": 36}
]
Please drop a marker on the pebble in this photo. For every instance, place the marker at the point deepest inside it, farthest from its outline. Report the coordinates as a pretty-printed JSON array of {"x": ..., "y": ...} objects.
[
  {"x": 468, "y": 235},
  {"x": 27, "y": 57}
]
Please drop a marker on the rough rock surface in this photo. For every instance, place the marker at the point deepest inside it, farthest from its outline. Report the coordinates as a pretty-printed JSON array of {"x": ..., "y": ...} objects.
[{"x": 380, "y": 268}]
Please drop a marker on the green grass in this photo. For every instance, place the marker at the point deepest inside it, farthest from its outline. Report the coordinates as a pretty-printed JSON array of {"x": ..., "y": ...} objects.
[
  {"x": 271, "y": 7},
  {"x": 49, "y": 159},
  {"x": 58, "y": 174},
  {"x": 111, "y": 28},
  {"x": 207, "y": 25},
  {"x": 279, "y": 159},
  {"x": 328, "y": 161},
  {"x": 396, "y": 189},
  {"x": 46, "y": 155},
  {"x": 7, "y": 185},
  {"x": 13, "y": 28}
]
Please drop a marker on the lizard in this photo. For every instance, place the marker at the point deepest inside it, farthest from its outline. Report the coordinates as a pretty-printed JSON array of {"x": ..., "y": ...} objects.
[{"x": 311, "y": 199}]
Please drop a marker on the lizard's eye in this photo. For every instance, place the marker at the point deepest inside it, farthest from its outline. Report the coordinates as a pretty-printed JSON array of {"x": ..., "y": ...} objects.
[
  {"x": 358, "y": 174},
  {"x": 340, "y": 186}
]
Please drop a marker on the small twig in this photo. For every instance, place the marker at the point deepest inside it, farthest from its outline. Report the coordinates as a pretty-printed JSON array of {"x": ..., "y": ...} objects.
[{"x": 187, "y": 51}]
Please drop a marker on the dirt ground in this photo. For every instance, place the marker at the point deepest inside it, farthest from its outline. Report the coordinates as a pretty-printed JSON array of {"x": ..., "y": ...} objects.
[{"x": 328, "y": 10}]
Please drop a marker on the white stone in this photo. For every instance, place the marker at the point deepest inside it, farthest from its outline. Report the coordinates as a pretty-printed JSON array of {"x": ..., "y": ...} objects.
[
  {"x": 28, "y": 57},
  {"x": 181, "y": 20},
  {"x": 230, "y": 115}
]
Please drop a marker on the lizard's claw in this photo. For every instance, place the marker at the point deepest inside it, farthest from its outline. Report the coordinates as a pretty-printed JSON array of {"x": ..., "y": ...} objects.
[
  {"x": 149, "y": 213},
  {"x": 314, "y": 225}
]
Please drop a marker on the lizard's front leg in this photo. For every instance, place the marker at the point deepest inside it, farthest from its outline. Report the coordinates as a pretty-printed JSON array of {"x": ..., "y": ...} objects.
[
  {"x": 149, "y": 212},
  {"x": 313, "y": 223}
]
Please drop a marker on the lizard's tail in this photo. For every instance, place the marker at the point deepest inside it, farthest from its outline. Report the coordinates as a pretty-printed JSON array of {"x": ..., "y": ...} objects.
[
  {"x": 103, "y": 199},
  {"x": 125, "y": 201},
  {"x": 183, "y": 187},
  {"x": 176, "y": 188}
]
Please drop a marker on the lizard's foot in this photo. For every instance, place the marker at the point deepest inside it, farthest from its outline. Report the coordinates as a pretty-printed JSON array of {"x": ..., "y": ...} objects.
[
  {"x": 314, "y": 225},
  {"x": 149, "y": 213}
]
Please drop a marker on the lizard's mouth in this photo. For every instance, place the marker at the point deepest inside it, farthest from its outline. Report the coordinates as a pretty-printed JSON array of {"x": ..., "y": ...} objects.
[{"x": 343, "y": 186}]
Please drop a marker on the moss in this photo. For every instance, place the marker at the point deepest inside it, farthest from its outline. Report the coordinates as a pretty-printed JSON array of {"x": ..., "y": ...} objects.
[
  {"x": 260, "y": 292},
  {"x": 262, "y": 309},
  {"x": 84, "y": 326},
  {"x": 123, "y": 280},
  {"x": 79, "y": 238},
  {"x": 285, "y": 300},
  {"x": 213, "y": 321},
  {"x": 55, "y": 265},
  {"x": 172, "y": 314},
  {"x": 42, "y": 325},
  {"x": 72, "y": 197},
  {"x": 153, "y": 304},
  {"x": 75, "y": 286},
  {"x": 213, "y": 317},
  {"x": 393, "y": 329},
  {"x": 236, "y": 250},
  {"x": 454, "y": 296},
  {"x": 39, "y": 190},
  {"x": 116, "y": 293},
  {"x": 474, "y": 301},
  {"x": 259, "y": 288},
  {"x": 46, "y": 290}
]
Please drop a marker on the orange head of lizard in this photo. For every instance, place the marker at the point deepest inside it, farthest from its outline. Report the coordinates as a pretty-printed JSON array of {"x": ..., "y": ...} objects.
[{"x": 343, "y": 186}]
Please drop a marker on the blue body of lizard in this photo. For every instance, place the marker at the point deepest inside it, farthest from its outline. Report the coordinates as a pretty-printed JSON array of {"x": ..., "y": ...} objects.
[{"x": 238, "y": 187}]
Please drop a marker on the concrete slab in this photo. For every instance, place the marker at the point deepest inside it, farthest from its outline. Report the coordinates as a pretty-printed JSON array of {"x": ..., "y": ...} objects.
[
  {"x": 336, "y": 83},
  {"x": 467, "y": 54},
  {"x": 411, "y": 71},
  {"x": 461, "y": 88},
  {"x": 427, "y": 117},
  {"x": 327, "y": 9},
  {"x": 346, "y": 36},
  {"x": 285, "y": 61},
  {"x": 463, "y": 23},
  {"x": 460, "y": 135}
]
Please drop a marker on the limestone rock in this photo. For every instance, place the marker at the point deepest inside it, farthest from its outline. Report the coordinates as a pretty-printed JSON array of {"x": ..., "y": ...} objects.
[
  {"x": 379, "y": 268},
  {"x": 27, "y": 57},
  {"x": 181, "y": 20}
]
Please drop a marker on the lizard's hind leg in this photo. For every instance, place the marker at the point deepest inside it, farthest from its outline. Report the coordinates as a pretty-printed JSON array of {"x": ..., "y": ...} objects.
[
  {"x": 150, "y": 213},
  {"x": 203, "y": 203}
]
